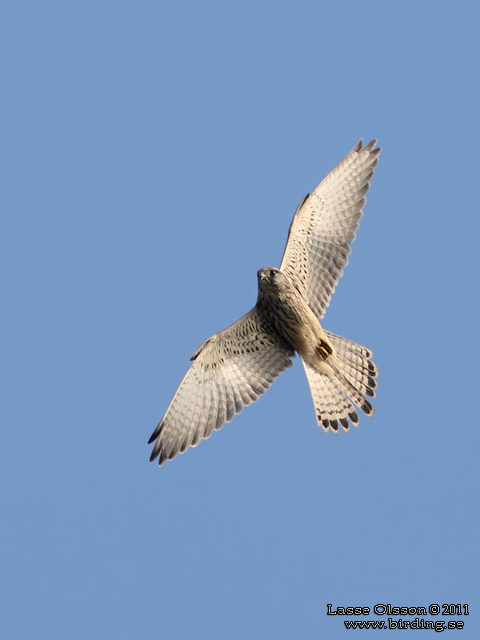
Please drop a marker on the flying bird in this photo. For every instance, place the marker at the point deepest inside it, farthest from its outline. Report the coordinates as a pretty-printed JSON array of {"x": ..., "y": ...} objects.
[{"x": 235, "y": 367}]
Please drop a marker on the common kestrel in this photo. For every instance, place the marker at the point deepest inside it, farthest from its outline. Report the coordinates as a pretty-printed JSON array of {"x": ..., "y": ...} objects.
[{"x": 234, "y": 367}]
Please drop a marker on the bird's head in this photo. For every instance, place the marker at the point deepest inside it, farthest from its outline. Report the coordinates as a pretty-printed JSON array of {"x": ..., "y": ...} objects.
[{"x": 269, "y": 278}]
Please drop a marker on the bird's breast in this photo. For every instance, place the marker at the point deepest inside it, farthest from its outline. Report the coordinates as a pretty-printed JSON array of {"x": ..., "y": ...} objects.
[{"x": 289, "y": 315}]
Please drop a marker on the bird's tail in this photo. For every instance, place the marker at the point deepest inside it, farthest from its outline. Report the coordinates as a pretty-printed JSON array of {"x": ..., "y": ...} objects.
[{"x": 334, "y": 396}]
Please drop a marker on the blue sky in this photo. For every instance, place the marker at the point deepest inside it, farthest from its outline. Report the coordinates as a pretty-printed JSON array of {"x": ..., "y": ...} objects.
[{"x": 153, "y": 155}]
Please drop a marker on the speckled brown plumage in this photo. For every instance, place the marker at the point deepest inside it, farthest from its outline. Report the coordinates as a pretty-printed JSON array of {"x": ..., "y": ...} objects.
[{"x": 234, "y": 367}]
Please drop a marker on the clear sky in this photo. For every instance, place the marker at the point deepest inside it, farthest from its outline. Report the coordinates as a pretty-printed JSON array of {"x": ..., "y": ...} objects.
[{"x": 152, "y": 157}]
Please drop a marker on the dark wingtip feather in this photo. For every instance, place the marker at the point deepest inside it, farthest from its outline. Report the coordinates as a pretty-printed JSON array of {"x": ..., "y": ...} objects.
[
  {"x": 154, "y": 436},
  {"x": 155, "y": 452},
  {"x": 370, "y": 147},
  {"x": 158, "y": 445},
  {"x": 157, "y": 432}
]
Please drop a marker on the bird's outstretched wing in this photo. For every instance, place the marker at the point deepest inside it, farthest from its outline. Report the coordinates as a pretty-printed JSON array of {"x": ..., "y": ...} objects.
[
  {"x": 230, "y": 370},
  {"x": 325, "y": 224}
]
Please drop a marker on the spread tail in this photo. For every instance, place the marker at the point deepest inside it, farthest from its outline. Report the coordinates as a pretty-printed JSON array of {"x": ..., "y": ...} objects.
[{"x": 334, "y": 396}]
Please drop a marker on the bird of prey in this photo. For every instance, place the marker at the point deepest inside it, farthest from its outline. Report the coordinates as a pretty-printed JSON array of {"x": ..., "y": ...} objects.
[{"x": 235, "y": 367}]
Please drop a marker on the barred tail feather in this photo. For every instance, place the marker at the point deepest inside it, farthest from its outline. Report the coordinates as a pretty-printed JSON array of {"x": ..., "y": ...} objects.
[
  {"x": 357, "y": 365},
  {"x": 332, "y": 407},
  {"x": 334, "y": 396}
]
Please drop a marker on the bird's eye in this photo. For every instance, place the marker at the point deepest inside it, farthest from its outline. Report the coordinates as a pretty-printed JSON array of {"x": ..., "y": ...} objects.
[{"x": 272, "y": 273}]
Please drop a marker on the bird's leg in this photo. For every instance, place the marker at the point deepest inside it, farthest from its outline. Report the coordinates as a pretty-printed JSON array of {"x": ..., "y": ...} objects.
[{"x": 323, "y": 349}]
